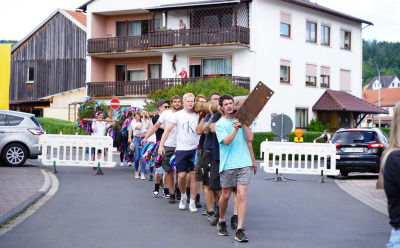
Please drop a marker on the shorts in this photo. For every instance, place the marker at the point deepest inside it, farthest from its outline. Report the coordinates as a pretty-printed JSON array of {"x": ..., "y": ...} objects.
[
  {"x": 232, "y": 178},
  {"x": 169, "y": 152},
  {"x": 159, "y": 171},
  {"x": 215, "y": 183},
  {"x": 199, "y": 163},
  {"x": 184, "y": 160},
  {"x": 207, "y": 160}
]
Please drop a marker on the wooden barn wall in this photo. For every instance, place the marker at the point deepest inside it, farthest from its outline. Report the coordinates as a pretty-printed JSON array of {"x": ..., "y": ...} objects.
[{"x": 57, "y": 52}]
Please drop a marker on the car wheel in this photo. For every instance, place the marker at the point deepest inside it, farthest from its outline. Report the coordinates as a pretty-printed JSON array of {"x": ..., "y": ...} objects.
[
  {"x": 344, "y": 173},
  {"x": 14, "y": 154}
]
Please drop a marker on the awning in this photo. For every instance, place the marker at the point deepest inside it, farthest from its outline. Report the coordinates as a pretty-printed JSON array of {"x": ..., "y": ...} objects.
[
  {"x": 194, "y": 4},
  {"x": 333, "y": 100}
]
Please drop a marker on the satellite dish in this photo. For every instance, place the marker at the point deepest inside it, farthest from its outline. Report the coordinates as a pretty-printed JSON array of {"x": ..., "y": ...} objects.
[{"x": 281, "y": 125}]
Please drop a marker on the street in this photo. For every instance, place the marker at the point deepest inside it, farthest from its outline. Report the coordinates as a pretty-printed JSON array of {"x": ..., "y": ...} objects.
[{"x": 115, "y": 210}]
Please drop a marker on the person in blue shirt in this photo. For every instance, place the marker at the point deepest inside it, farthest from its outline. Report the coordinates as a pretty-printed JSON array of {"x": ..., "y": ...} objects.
[{"x": 236, "y": 164}]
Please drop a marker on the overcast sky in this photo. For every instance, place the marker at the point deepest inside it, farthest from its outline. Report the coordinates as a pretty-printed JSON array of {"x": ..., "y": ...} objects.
[{"x": 19, "y": 17}]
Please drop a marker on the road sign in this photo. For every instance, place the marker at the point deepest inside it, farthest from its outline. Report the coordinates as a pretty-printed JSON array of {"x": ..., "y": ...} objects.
[{"x": 114, "y": 104}]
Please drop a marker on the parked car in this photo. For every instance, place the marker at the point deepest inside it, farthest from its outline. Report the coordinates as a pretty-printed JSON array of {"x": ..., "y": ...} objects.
[
  {"x": 360, "y": 150},
  {"x": 19, "y": 137}
]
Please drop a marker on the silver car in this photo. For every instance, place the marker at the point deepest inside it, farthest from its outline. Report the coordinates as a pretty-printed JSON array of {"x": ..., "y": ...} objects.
[{"x": 19, "y": 137}]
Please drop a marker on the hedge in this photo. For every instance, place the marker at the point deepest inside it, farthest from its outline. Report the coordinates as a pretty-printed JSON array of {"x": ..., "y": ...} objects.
[
  {"x": 386, "y": 131},
  {"x": 258, "y": 138},
  {"x": 55, "y": 126}
]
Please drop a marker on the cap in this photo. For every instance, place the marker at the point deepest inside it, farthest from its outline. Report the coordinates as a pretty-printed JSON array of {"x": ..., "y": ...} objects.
[{"x": 161, "y": 102}]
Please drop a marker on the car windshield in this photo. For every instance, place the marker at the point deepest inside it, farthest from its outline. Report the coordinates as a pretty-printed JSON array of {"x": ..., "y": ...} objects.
[{"x": 352, "y": 137}]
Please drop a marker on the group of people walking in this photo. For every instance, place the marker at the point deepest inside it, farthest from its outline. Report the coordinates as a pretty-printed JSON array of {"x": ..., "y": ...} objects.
[{"x": 195, "y": 151}]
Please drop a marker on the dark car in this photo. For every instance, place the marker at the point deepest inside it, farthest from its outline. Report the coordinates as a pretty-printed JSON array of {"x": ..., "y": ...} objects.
[{"x": 360, "y": 150}]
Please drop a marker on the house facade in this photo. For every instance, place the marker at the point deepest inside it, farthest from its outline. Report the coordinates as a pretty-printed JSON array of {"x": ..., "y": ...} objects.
[
  {"x": 383, "y": 82},
  {"x": 49, "y": 61},
  {"x": 389, "y": 97},
  {"x": 298, "y": 48}
]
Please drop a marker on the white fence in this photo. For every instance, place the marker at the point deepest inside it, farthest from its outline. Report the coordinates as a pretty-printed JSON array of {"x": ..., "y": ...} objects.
[
  {"x": 299, "y": 158},
  {"x": 76, "y": 150}
]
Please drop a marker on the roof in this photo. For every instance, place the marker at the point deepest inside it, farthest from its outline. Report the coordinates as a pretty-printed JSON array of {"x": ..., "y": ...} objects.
[
  {"x": 303, "y": 3},
  {"x": 389, "y": 97},
  {"x": 333, "y": 100},
  {"x": 385, "y": 81},
  {"x": 79, "y": 19},
  {"x": 61, "y": 93}
]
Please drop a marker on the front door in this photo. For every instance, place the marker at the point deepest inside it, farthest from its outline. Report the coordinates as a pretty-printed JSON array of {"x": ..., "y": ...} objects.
[{"x": 120, "y": 77}]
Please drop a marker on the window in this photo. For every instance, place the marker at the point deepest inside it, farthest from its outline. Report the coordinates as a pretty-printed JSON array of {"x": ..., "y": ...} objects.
[
  {"x": 311, "y": 75},
  {"x": 31, "y": 75},
  {"x": 12, "y": 120},
  {"x": 285, "y": 71},
  {"x": 133, "y": 28},
  {"x": 285, "y": 27},
  {"x": 325, "y": 77},
  {"x": 136, "y": 75},
  {"x": 2, "y": 119},
  {"x": 154, "y": 71},
  {"x": 217, "y": 66},
  {"x": 325, "y": 35},
  {"x": 345, "y": 39},
  {"x": 311, "y": 29},
  {"x": 345, "y": 80},
  {"x": 301, "y": 117}
]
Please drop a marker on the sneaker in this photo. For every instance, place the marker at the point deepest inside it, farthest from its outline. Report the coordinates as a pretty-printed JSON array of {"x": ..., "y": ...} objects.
[
  {"x": 142, "y": 176},
  {"x": 234, "y": 222},
  {"x": 151, "y": 178},
  {"x": 136, "y": 175},
  {"x": 192, "y": 207},
  {"x": 209, "y": 214},
  {"x": 172, "y": 199},
  {"x": 213, "y": 219},
  {"x": 205, "y": 211},
  {"x": 129, "y": 164},
  {"x": 222, "y": 230},
  {"x": 182, "y": 203},
  {"x": 240, "y": 236},
  {"x": 178, "y": 194},
  {"x": 155, "y": 193},
  {"x": 166, "y": 196}
]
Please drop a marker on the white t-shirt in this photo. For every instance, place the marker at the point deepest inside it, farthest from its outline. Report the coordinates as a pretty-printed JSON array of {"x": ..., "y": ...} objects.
[
  {"x": 133, "y": 126},
  {"x": 165, "y": 118},
  {"x": 186, "y": 138},
  {"x": 99, "y": 128}
]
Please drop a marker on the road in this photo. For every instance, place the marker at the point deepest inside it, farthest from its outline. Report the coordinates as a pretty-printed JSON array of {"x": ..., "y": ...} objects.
[{"x": 115, "y": 210}]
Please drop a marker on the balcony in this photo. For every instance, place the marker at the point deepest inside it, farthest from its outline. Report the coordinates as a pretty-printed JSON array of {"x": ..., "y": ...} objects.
[
  {"x": 118, "y": 44},
  {"x": 143, "y": 88},
  {"x": 234, "y": 35}
]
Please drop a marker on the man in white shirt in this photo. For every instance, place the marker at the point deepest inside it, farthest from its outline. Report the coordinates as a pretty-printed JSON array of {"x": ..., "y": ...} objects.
[
  {"x": 169, "y": 143},
  {"x": 99, "y": 127},
  {"x": 187, "y": 140}
]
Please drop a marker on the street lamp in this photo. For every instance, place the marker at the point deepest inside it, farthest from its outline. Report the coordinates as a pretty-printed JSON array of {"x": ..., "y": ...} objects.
[{"x": 379, "y": 92}]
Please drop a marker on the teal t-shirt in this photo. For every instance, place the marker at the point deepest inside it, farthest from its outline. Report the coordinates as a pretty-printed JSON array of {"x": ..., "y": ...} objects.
[{"x": 235, "y": 155}]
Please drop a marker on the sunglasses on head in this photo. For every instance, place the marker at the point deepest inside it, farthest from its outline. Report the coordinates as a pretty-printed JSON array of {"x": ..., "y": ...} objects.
[{"x": 166, "y": 106}]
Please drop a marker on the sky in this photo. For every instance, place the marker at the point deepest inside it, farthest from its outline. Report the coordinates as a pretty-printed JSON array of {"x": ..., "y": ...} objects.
[{"x": 17, "y": 22}]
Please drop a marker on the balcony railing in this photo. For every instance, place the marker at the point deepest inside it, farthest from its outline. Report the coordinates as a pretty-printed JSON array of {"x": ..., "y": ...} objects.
[
  {"x": 170, "y": 38},
  {"x": 140, "y": 88},
  {"x": 118, "y": 44},
  {"x": 200, "y": 36}
]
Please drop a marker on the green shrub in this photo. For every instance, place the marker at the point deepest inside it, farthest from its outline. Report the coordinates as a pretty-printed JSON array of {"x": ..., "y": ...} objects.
[
  {"x": 258, "y": 138},
  {"x": 386, "y": 131},
  {"x": 206, "y": 87},
  {"x": 316, "y": 126},
  {"x": 55, "y": 126},
  {"x": 308, "y": 137}
]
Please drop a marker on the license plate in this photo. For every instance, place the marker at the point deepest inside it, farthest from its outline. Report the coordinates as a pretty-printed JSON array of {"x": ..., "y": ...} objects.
[{"x": 352, "y": 149}]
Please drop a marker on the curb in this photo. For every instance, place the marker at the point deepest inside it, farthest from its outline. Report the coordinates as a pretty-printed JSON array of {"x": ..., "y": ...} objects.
[{"x": 28, "y": 202}]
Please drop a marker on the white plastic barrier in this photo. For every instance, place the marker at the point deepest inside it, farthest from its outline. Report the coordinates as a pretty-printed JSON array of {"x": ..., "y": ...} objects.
[
  {"x": 299, "y": 158},
  {"x": 76, "y": 150}
]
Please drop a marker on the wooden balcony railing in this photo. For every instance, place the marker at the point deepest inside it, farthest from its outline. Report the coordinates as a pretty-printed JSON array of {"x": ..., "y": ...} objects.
[
  {"x": 200, "y": 36},
  {"x": 139, "y": 88},
  {"x": 118, "y": 44}
]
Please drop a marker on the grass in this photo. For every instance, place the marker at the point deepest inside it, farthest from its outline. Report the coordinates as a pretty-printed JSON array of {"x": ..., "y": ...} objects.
[{"x": 55, "y": 126}]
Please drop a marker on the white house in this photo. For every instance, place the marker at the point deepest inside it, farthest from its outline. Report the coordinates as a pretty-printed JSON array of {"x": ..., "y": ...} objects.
[
  {"x": 296, "y": 47},
  {"x": 383, "y": 82}
]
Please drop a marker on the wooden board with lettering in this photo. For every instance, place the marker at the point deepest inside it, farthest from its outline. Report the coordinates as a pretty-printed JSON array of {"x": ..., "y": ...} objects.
[{"x": 254, "y": 103}]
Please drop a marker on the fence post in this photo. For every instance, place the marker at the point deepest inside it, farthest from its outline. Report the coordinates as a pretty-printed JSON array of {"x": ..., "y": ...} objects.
[
  {"x": 54, "y": 167},
  {"x": 99, "y": 171}
]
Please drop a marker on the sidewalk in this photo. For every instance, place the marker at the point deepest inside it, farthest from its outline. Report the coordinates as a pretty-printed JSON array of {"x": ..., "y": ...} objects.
[
  {"x": 363, "y": 188},
  {"x": 19, "y": 188}
]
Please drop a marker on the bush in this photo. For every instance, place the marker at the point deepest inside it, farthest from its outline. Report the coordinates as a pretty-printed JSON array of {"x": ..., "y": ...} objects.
[
  {"x": 316, "y": 126},
  {"x": 386, "y": 131},
  {"x": 55, "y": 126},
  {"x": 206, "y": 87},
  {"x": 258, "y": 138}
]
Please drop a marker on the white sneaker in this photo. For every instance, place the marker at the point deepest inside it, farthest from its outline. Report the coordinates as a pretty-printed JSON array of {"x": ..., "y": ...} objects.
[
  {"x": 142, "y": 176},
  {"x": 182, "y": 203},
  {"x": 136, "y": 175},
  {"x": 192, "y": 207}
]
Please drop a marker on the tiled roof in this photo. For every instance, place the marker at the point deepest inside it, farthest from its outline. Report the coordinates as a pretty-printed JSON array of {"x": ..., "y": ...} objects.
[
  {"x": 385, "y": 81},
  {"x": 389, "y": 97},
  {"x": 79, "y": 16},
  {"x": 333, "y": 100}
]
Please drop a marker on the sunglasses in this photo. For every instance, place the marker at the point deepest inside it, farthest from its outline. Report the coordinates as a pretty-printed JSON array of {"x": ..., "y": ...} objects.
[{"x": 166, "y": 106}]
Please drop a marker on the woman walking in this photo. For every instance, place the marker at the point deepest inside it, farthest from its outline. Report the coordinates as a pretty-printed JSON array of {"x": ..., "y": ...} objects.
[{"x": 138, "y": 131}]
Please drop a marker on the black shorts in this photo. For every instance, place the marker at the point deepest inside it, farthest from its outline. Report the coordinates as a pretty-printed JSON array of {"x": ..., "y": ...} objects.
[
  {"x": 184, "y": 160},
  {"x": 199, "y": 163},
  {"x": 207, "y": 160},
  {"x": 215, "y": 183},
  {"x": 169, "y": 152}
]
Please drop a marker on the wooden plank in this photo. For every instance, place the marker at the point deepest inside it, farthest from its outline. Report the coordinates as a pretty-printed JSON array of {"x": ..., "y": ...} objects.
[{"x": 254, "y": 103}]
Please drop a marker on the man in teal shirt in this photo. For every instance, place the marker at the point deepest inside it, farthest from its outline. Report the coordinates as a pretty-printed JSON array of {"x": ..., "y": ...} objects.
[{"x": 236, "y": 162}]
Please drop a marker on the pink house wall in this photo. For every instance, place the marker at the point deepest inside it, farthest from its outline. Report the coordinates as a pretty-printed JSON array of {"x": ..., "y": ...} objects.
[{"x": 98, "y": 73}]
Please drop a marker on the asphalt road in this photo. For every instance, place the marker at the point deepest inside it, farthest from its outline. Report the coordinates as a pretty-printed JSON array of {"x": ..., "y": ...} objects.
[{"x": 116, "y": 210}]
